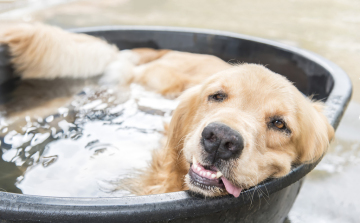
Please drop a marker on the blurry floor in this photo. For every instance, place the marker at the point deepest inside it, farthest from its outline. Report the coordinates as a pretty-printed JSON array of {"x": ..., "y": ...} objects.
[{"x": 330, "y": 28}]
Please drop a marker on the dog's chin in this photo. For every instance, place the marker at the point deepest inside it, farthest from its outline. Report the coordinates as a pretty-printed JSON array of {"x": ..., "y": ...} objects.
[{"x": 202, "y": 189}]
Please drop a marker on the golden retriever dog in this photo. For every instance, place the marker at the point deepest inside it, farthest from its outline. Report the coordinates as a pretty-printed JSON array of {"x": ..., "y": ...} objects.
[{"x": 235, "y": 126}]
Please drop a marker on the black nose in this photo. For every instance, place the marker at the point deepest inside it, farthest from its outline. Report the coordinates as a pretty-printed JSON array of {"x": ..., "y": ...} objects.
[{"x": 221, "y": 142}]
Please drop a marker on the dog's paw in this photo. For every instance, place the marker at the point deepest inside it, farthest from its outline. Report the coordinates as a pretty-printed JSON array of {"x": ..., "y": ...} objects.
[{"x": 120, "y": 71}]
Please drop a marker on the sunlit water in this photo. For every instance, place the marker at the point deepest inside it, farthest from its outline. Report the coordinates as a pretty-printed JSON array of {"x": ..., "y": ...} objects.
[{"x": 83, "y": 148}]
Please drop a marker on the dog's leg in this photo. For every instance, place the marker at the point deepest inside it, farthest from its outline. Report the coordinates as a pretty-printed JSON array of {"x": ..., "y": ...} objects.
[
  {"x": 141, "y": 66},
  {"x": 159, "y": 76},
  {"x": 41, "y": 51},
  {"x": 171, "y": 72},
  {"x": 146, "y": 55},
  {"x": 123, "y": 68},
  {"x": 162, "y": 79}
]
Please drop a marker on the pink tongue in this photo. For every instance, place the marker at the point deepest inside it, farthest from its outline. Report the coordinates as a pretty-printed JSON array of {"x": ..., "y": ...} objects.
[{"x": 231, "y": 189}]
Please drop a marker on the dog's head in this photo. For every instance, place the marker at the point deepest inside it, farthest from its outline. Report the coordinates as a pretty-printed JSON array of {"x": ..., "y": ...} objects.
[{"x": 243, "y": 126}]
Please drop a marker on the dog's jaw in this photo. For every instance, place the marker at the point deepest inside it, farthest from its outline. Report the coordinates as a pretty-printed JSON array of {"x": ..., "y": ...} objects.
[{"x": 209, "y": 181}]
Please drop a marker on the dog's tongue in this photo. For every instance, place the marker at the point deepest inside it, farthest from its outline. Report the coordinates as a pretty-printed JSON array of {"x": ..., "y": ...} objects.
[{"x": 230, "y": 188}]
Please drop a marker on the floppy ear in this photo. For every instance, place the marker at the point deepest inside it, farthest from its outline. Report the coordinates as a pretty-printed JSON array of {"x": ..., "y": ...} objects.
[
  {"x": 168, "y": 166},
  {"x": 315, "y": 133},
  {"x": 183, "y": 117}
]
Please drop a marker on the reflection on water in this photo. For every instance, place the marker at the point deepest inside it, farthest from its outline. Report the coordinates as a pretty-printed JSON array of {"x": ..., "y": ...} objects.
[{"x": 77, "y": 150}]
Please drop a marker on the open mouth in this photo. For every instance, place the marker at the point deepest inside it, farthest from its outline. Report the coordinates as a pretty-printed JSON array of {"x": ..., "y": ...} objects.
[{"x": 210, "y": 178}]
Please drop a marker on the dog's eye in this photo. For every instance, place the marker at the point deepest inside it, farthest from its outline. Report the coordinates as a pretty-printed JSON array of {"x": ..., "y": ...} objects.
[
  {"x": 218, "y": 97},
  {"x": 279, "y": 124}
]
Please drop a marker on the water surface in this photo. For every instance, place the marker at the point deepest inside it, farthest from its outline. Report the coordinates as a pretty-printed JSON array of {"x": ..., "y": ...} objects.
[{"x": 96, "y": 138}]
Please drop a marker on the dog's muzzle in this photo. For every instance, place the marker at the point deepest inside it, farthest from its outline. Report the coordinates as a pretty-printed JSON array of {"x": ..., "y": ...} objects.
[{"x": 221, "y": 142}]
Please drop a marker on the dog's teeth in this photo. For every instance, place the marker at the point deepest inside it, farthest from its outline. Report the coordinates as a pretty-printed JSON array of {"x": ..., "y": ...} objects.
[
  {"x": 198, "y": 168},
  {"x": 218, "y": 174},
  {"x": 202, "y": 173},
  {"x": 208, "y": 174},
  {"x": 213, "y": 176}
]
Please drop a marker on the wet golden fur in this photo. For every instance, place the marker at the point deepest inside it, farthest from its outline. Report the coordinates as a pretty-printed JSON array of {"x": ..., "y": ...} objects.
[{"x": 255, "y": 95}]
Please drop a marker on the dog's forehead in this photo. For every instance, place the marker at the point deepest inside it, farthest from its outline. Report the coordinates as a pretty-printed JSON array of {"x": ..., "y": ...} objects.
[
  {"x": 256, "y": 89},
  {"x": 251, "y": 80}
]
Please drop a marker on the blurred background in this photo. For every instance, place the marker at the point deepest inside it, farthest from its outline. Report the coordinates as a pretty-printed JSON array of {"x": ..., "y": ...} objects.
[{"x": 330, "y": 28}]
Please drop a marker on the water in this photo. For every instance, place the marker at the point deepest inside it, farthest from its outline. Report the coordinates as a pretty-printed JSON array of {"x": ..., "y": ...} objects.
[{"x": 100, "y": 136}]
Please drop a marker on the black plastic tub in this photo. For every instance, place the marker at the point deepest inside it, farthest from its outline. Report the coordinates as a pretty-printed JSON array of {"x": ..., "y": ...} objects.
[{"x": 312, "y": 75}]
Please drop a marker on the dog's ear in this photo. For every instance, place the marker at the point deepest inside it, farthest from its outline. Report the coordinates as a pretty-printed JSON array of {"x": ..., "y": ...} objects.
[
  {"x": 315, "y": 133},
  {"x": 183, "y": 117},
  {"x": 168, "y": 166}
]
